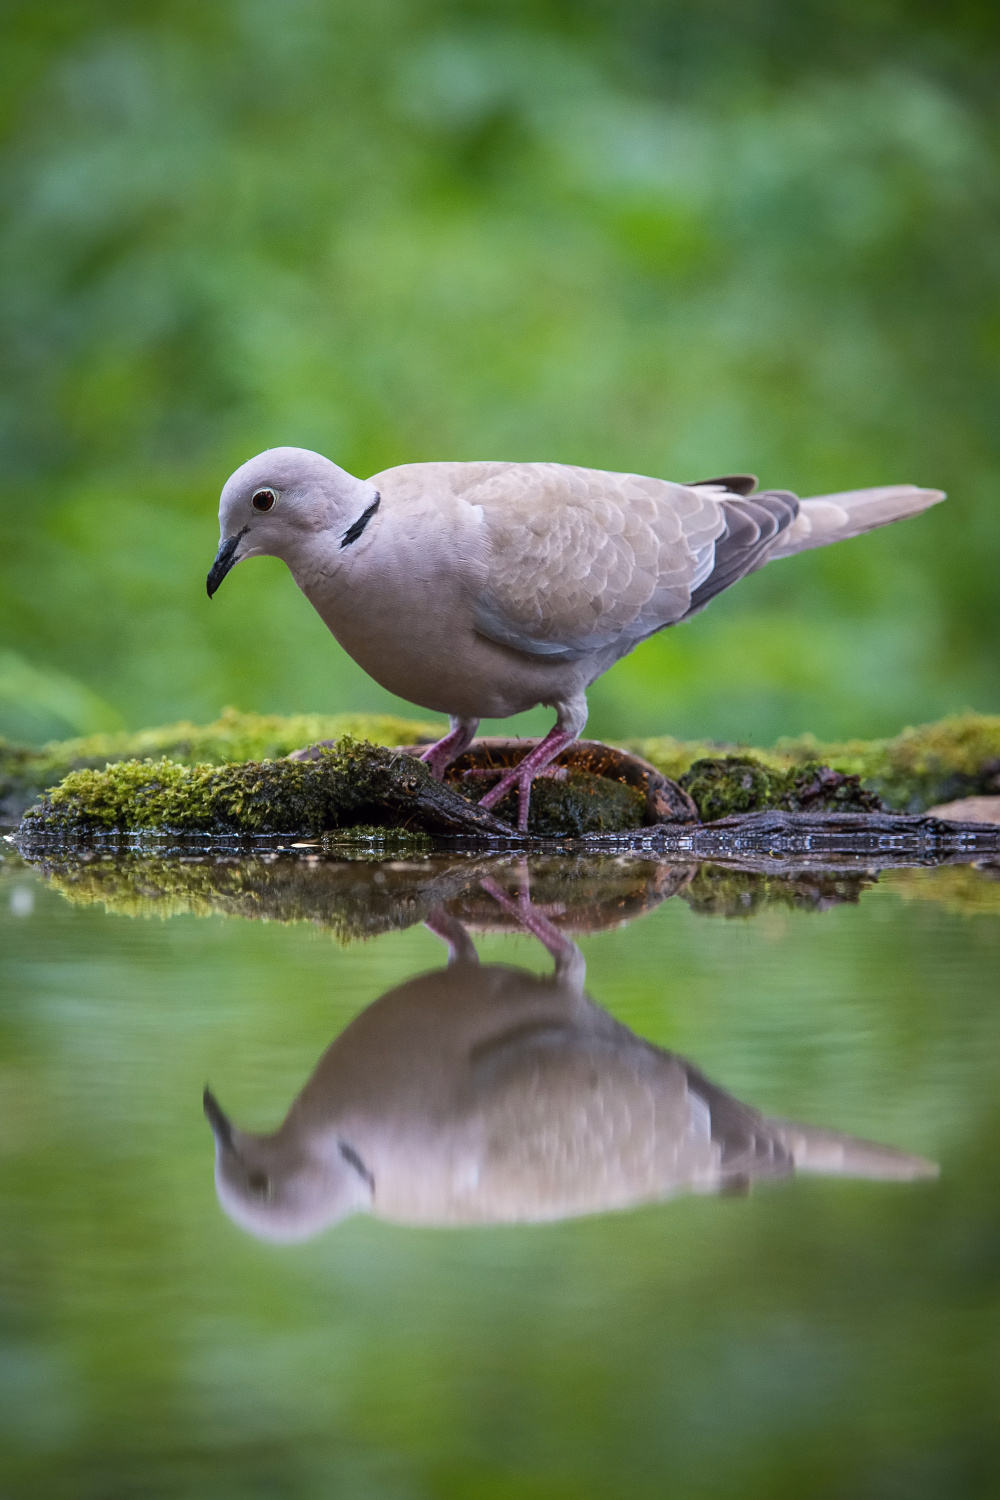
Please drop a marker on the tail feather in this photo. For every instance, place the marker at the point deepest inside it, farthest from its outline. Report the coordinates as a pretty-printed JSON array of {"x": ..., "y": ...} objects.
[
  {"x": 829, "y": 1153},
  {"x": 834, "y": 518}
]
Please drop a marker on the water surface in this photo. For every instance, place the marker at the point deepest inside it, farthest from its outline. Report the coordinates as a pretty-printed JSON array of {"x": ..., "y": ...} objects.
[{"x": 795, "y": 1334}]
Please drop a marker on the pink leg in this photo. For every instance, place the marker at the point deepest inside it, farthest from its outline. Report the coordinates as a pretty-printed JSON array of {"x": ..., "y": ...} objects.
[
  {"x": 570, "y": 720},
  {"x": 461, "y": 949},
  {"x": 536, "y": 922},
  {"x": 569, "y": 960},
  {"x": 455, "y": 742}
]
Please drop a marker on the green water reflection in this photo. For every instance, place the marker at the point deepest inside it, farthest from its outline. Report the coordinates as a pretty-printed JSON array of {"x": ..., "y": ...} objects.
[{"x": 819, "y": 1337}]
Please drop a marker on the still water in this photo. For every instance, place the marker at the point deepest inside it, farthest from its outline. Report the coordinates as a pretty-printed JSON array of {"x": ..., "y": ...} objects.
[{"x": 519, "y": 1179}]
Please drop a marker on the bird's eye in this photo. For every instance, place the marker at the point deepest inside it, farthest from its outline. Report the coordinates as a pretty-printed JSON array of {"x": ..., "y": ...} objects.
[
  {"x": 259, "y": 1184},
  {"x": 263, "y": 499}
]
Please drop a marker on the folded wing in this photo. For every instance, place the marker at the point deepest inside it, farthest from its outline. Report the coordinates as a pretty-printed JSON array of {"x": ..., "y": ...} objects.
[{"x": 581, "y": 560}]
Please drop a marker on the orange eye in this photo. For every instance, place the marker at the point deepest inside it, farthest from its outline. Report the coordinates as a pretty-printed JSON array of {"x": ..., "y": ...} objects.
[{"x": 263, "y": 499}]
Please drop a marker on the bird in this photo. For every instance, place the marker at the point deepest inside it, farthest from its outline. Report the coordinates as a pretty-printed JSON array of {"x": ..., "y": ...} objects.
[
  {"x": 487, "y": 1094},
  {"x": 480, "y": 590}
]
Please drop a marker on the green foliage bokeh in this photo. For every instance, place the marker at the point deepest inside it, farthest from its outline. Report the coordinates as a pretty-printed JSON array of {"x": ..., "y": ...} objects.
[{"x": 679, "y": 238}]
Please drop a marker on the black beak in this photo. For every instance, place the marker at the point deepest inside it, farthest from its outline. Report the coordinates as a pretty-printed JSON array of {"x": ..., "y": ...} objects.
[
  {"x": 225, "y": 559},
  {"x": 221, "y": 1127}
]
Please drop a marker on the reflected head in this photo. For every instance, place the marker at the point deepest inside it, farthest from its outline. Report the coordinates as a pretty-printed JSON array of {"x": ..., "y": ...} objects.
[{"x": 275, "y": 1189}]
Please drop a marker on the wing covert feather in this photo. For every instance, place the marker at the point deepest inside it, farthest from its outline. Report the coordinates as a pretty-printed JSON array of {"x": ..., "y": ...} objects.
[
  {"x": 576, "y": 561},
  {"x": 581, "y": 559}
]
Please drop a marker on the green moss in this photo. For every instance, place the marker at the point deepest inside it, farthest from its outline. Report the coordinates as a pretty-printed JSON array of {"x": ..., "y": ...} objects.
[
  {"x": 350, "y": 783},
  {"x": 257, "y": 797},
  {"x": 723, "y": 785},
  {"x": 954, "y": 757},
  {"x": 732, "y": 784},
  {"x": 721, "y": 891},
  {"x": 234, "y": 737},
  {"x": 578, "y": 805}
]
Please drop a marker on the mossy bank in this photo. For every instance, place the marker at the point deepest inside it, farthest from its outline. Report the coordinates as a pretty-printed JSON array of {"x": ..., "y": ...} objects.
[
  {"x": 933, "y": 763},
  {"x": 721, "y": 786},
  {"x": 346, "y": 784},
  {"x": 233, "y": 738},
  {"x": 232, "y": 777}
]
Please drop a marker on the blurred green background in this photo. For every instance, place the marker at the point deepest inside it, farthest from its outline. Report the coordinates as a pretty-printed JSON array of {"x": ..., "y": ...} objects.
[{"x": 680, "y": 237}]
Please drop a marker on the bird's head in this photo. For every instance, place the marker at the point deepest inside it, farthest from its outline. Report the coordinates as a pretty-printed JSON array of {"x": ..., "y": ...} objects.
[
  {"x": 278, "y": 1189},
  {"x": 276, "y": 503}
]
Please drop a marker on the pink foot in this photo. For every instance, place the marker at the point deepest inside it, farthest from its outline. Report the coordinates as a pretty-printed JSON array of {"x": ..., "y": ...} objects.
[{"x": 524, "y": 773}]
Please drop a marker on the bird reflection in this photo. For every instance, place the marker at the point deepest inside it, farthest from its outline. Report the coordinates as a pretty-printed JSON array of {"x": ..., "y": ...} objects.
[{"x": 485, "y": 1094}]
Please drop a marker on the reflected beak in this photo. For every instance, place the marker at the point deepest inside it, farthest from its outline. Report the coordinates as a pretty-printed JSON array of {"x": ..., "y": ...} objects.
[
  {"x": 225, "y": 559},
  {"x": 221, "y": 1127}
]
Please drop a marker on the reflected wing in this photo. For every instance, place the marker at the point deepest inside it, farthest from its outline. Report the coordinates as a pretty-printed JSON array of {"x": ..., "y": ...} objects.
[
  {"x": 747, "y": 1143},
  {"x": 575, "y": 1122}
]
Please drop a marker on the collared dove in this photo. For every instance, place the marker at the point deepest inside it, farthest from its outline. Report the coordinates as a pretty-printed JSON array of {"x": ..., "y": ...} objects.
[
  {"x": 482, "y": 589},
  {"x": 487, "y": 1094}
]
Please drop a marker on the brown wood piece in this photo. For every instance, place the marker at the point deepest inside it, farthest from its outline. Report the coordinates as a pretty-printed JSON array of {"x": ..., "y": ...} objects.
[{"x": 666, "y": 802}]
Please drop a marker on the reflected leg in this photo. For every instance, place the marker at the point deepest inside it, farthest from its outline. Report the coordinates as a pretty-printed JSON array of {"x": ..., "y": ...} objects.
[
  {"x": 570, "y": 962},
  {"x": 461, "y": 949}
]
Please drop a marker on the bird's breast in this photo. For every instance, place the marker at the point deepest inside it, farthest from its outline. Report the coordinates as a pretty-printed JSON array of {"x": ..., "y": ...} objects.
[{"x": 403, "y": 606}]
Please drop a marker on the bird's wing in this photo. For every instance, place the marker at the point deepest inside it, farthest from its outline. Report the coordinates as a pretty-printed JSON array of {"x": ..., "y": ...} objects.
[
  {"x": 753, "y": 525},
  {"x": 578, "y": 559},
  {"x": 581, "y": 559}
]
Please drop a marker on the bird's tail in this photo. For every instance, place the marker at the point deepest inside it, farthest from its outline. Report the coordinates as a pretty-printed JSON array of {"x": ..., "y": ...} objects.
[
  {"x": 834, "y": 518},
  {"x": 831, "y": 1154}
]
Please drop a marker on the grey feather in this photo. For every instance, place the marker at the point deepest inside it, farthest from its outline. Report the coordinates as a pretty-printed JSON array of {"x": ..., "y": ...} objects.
[
  {"x": 752, "y": 528},
  {"x": 488, "y": 1094}
]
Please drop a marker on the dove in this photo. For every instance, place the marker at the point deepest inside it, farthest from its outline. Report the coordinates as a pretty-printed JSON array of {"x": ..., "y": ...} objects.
[
  {"x": 486, "y": 1094},
  {"x": 479, "y": 590}
]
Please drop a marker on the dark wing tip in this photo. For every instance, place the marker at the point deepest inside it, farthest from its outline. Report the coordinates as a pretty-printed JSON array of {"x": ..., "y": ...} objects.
[{"x": 737, "y": 484}]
